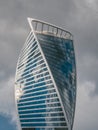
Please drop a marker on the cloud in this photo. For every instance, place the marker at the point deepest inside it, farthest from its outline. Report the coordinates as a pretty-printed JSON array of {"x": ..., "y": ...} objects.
[
  {"x": 11, "y": 41},
  {"x": 7, "y": 100},
  {"x": 86, "y": 109},
  {"x": 87, "y": 71},
  {"x": 93, "y": 4}
]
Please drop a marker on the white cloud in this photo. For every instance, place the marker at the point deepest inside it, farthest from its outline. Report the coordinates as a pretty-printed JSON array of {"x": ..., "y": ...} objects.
[
  {"x": 7, "y": 100},
  {"x": 87, "y": 108}
]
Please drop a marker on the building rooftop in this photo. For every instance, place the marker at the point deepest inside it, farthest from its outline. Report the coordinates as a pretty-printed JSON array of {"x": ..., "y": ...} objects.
[{"x": 47, "y": 28}]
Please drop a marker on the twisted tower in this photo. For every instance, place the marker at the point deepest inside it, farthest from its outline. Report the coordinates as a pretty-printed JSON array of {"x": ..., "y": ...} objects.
[{"x": 45, "y": 83}]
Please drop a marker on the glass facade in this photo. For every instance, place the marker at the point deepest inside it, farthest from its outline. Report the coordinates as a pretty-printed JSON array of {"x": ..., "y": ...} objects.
[{"x": 45, "y": 83}]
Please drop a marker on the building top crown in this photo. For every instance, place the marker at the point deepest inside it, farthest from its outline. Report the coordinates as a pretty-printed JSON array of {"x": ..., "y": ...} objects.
[{"x": 47, "y": 28}]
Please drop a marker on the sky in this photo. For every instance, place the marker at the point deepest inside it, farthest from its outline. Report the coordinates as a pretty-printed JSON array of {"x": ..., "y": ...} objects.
[{"x": 80, "y": 17}]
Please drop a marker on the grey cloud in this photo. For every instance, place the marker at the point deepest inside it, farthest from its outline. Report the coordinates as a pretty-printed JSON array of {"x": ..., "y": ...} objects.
[
  {"x": 85, "y": 118},
  {"x": 88, "y": 65}
]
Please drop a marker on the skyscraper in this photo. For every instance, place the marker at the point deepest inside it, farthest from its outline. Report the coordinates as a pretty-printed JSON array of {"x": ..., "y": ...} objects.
[{"x": 45, "y": 83}]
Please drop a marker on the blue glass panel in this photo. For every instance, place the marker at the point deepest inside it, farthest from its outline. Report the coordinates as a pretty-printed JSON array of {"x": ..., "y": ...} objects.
[
  {"x": 43, "y": 124},
  {"x": 39, "y": 106},
  {"x": 38, "y": 98},
  {"x": 60, "y": 56},
  {"x": 42, "y": 115},
  {"x": 41, "y": 110}
]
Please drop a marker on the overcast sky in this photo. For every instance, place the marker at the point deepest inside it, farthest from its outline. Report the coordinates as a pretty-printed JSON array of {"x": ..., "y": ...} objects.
[{"x": 80, "y": 17}]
